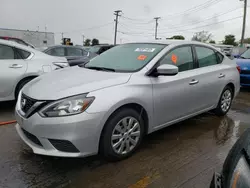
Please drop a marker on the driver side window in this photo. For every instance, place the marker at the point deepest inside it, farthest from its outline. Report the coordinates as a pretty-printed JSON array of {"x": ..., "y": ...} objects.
[{"x": 181, "y": 57}]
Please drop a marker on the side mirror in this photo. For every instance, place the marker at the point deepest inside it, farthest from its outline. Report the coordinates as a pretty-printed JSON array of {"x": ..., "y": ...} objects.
[{"x": 166, "y": 70}]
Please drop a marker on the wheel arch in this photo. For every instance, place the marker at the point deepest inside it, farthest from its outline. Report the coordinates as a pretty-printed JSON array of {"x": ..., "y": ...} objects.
[
  {"x": 133, "y": 105},
  {"x": 30, "y": 77}
]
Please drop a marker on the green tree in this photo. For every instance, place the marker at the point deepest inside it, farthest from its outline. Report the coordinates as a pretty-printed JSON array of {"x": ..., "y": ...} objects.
[
  {"x": 178, "y": 37},
  {"x": 212, "y": 42},
  {"x": 95, "y": 42},
  {"x": 202, "y": 36},
  {"x": 230, "y": 40},
  {"x": 87, "y": 42},
  {"x": 247, "y": 40}
]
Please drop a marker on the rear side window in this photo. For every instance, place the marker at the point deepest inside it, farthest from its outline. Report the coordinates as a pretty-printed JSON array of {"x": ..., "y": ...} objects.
[
  {"x": 220, "y": 57},
  {"x": 6, "y": 52},
  {"x": 23, "y": 53},
  {"x": 74, "y": 52},
  {"x": 206, "y": 56},
  {"x": 181, "y": 57},
  {"x": 56, "y": 52}
]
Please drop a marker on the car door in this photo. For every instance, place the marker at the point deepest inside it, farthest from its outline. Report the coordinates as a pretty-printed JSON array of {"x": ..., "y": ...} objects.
[
  {"x": 56, "y": 51},
  {"x": 211, "y": 75},
  {"x": 175, "y": 97},
  {"x": 12, "y": 67},
  {"x": 74, "y": 53}
]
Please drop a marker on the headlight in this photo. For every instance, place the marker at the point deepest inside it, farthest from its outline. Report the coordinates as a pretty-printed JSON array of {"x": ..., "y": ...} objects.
[{"x": 67, "y": 107}]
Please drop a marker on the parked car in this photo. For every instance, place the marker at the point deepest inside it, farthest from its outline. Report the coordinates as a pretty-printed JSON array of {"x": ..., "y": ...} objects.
[
  {"x": 20, "y": 41},
  {"x": 109, "y": 104},
  {"x": 82, "y": 60},
  {"x": 237, "y": 51},
  {"x": 93, "y": 52},
  {"x": 98, "y": 49},
  {"x": 70, "y": 52},
  {"x": 20, "y": 64},
  {"x": 244, "y": 63}
]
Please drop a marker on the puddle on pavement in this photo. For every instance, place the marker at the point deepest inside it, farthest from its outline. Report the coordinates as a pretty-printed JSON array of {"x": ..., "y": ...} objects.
[{"x": 182, "y": 155}]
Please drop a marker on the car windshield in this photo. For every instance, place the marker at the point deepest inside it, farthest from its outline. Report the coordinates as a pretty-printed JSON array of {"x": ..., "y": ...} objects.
[
  {"x": 127, "y": 57},
  {"x": 94, "y": 49},
  {"x": 246, "y": 54}
]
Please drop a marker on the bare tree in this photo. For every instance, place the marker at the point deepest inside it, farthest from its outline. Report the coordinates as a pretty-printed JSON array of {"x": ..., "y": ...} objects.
[{"x": 202, "y": 36}]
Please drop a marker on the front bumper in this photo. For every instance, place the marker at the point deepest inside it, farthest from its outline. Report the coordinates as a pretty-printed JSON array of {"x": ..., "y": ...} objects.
[
  {"x": 245, "y": 79},
  {"x": 80, "y": 132}
]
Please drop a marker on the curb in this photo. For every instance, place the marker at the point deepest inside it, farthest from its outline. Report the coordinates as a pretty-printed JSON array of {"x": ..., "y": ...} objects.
[{"x": 7, "y": 122}]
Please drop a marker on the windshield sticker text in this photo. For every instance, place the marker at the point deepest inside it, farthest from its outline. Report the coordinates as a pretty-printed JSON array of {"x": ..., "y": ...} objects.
[{"x": 144, "y": 49}]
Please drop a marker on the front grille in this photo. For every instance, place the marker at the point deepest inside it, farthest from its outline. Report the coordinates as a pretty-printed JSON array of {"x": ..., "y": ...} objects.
[
  {"x": 64, "y": 145},
  {"x": 245, "y": 71},
  {"x": 32, "y": 137},
  {"x": 26, "y": 103}
]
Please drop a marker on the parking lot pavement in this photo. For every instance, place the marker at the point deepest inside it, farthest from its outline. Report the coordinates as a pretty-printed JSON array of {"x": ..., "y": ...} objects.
[{"x": 183, "y": 155}]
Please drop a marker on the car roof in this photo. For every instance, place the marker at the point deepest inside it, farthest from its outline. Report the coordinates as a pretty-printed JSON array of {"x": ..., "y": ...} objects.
[
  {"x": 15, "y": 44},
  {"x": 67, "y": 46},
  {"x": 169, "y": 42}
]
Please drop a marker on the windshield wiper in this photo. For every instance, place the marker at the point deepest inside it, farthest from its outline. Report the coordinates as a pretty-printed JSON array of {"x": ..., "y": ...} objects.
[{"x": 101, "y": 68}]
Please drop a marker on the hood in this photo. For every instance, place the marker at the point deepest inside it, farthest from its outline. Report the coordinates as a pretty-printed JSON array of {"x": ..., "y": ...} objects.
[
  {"x": 243, "y": 62},
  {"x": 72, "y": 81}
]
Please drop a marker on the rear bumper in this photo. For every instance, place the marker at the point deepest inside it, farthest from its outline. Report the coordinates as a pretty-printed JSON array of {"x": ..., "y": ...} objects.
[{"x": 245, "y": 79}]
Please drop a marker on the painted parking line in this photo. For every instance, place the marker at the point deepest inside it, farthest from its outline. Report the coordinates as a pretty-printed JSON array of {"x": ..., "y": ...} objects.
[{"x": 7, "y": 122}]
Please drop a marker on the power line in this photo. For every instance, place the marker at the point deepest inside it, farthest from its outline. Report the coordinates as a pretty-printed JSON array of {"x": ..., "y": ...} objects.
[
  {"x": 196, "y": 8},
  {"x": 210, "y": 18},
  {"x": 202, "y": 25}
]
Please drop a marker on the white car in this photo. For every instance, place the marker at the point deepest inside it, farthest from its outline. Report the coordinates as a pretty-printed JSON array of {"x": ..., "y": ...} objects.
[{"x": 20, "y": 64}]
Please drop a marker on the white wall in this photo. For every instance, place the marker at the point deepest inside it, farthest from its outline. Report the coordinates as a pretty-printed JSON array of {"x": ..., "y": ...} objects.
[{"x": 33, "y": 37}]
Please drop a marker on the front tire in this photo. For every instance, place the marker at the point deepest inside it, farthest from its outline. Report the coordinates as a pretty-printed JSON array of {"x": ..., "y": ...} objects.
[
  {"x": 122, "y": 134},
  {"x": 225, "y": 102}
]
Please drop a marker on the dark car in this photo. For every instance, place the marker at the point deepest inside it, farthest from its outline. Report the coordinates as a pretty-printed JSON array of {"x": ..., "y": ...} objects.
[
  {"x": 20, "y": 41},
  {"x": 93, "y": 51},
  {"x": 70, "y": 52},
  {"x": 98, "y": 49}
]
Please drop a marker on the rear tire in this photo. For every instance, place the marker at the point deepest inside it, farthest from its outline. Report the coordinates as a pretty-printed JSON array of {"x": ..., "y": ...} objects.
[
  {"x": 122, "y": 135},
  {"x": 20, "y": 86},
  {"x": 225, "y": 102}
]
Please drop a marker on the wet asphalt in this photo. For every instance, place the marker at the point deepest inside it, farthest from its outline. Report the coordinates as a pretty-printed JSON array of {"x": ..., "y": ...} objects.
[{"x": 183, "y": 155}]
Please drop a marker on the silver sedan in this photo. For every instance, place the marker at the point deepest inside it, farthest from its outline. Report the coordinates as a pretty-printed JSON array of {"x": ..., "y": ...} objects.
[{"x": 108, "y": 105}]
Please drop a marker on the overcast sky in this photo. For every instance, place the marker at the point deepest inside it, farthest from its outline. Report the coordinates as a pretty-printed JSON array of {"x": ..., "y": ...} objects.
[{"x": 94, "y": 18}]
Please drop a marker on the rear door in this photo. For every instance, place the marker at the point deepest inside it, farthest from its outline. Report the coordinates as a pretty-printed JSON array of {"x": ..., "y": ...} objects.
[
  {"x": 211, "y": 74},
  {"x": 12, "y": 67},
  {"x": 74, "y": 53},
  {"x": 175, "y": 97}
]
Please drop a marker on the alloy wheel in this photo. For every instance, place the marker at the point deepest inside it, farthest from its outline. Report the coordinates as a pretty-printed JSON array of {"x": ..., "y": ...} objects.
[
  {"x": 226, "y": 100},
  {"x": 125, "y": 135}
]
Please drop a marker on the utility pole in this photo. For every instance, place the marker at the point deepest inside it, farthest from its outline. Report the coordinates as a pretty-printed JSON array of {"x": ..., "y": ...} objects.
[
  {"x": 83, "y": 39},
  {"x": 156, "y": 26},
  {"x": 117, "y": 14},
  {"x": 244, "y": 22},
  {"x": 62, "y": 37}
]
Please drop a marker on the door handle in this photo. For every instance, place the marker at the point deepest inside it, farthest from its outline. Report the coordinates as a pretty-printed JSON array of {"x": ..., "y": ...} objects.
[
  {"x": 15, "y": 66},
  {"x": 221, "y": 75},
  {"x": 193, "y": 82}
]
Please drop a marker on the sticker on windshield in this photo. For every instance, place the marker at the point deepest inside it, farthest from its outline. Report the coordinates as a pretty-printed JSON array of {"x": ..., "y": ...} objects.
[
  {"x": 174, "y": 58},
  {"x": 141, "y": 57},
  {"x": 144, "y": 49}
]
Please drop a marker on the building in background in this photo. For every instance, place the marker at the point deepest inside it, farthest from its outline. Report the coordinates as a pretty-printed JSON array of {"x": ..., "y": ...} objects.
[{"x": 36, "y": 38}]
